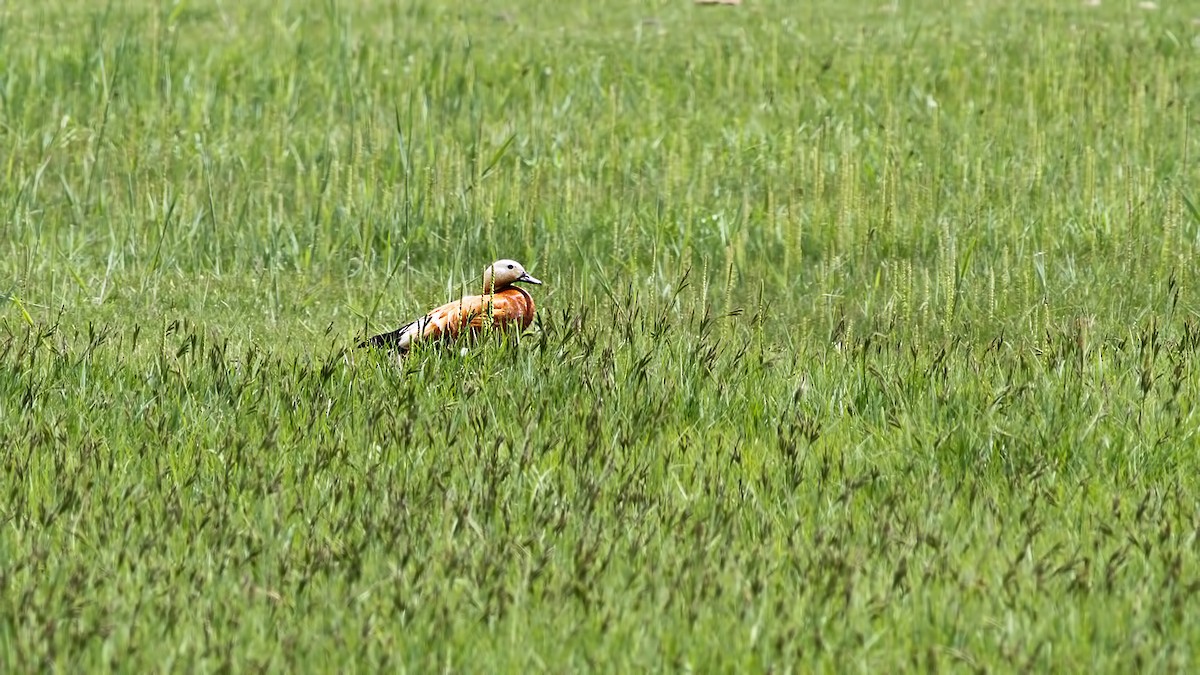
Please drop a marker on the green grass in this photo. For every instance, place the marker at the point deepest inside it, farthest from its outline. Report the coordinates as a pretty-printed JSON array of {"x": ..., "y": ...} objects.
[{"x": 869, "y": 339}]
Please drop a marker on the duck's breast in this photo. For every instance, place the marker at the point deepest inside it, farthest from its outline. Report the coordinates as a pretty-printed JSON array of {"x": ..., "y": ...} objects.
[
  {"x": 522, "y": 306},
  {"x": 510, "y": 307}
]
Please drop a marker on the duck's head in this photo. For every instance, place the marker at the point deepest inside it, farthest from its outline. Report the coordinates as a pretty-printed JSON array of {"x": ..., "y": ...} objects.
[{"x": 504, "y": 273}]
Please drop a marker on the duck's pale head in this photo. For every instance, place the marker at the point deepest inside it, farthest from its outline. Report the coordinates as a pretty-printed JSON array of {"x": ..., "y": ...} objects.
[{"x": 504, "y": 273}]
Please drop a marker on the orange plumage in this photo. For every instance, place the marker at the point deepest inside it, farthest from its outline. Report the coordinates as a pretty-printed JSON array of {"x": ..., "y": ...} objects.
[{"x": 501, "y": 305}]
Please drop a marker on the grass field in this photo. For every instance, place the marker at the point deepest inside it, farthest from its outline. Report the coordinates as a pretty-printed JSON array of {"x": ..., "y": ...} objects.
[{"x": 870, "y": 337}]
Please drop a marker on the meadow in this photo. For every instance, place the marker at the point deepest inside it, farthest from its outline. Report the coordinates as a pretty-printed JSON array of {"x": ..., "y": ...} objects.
[{"x": 868, "y": 341}]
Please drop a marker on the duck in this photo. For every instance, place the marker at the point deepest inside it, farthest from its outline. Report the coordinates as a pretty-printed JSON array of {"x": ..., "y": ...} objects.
[{"x": 508, "y": 305}]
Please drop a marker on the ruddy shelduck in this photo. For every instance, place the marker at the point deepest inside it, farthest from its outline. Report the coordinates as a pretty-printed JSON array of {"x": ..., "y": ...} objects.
[{"x": 502, "y": 305}]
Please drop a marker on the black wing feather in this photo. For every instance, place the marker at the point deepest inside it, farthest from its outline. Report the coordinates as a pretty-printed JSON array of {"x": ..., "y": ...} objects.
[{"x": 388, "y": 340}]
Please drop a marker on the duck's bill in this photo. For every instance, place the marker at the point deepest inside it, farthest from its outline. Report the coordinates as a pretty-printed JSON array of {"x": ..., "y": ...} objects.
[{"x": 528, "y": 279}]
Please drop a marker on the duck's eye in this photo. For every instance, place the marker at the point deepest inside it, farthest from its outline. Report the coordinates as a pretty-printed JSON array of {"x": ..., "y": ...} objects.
[{"x": 510, "y": 267}]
